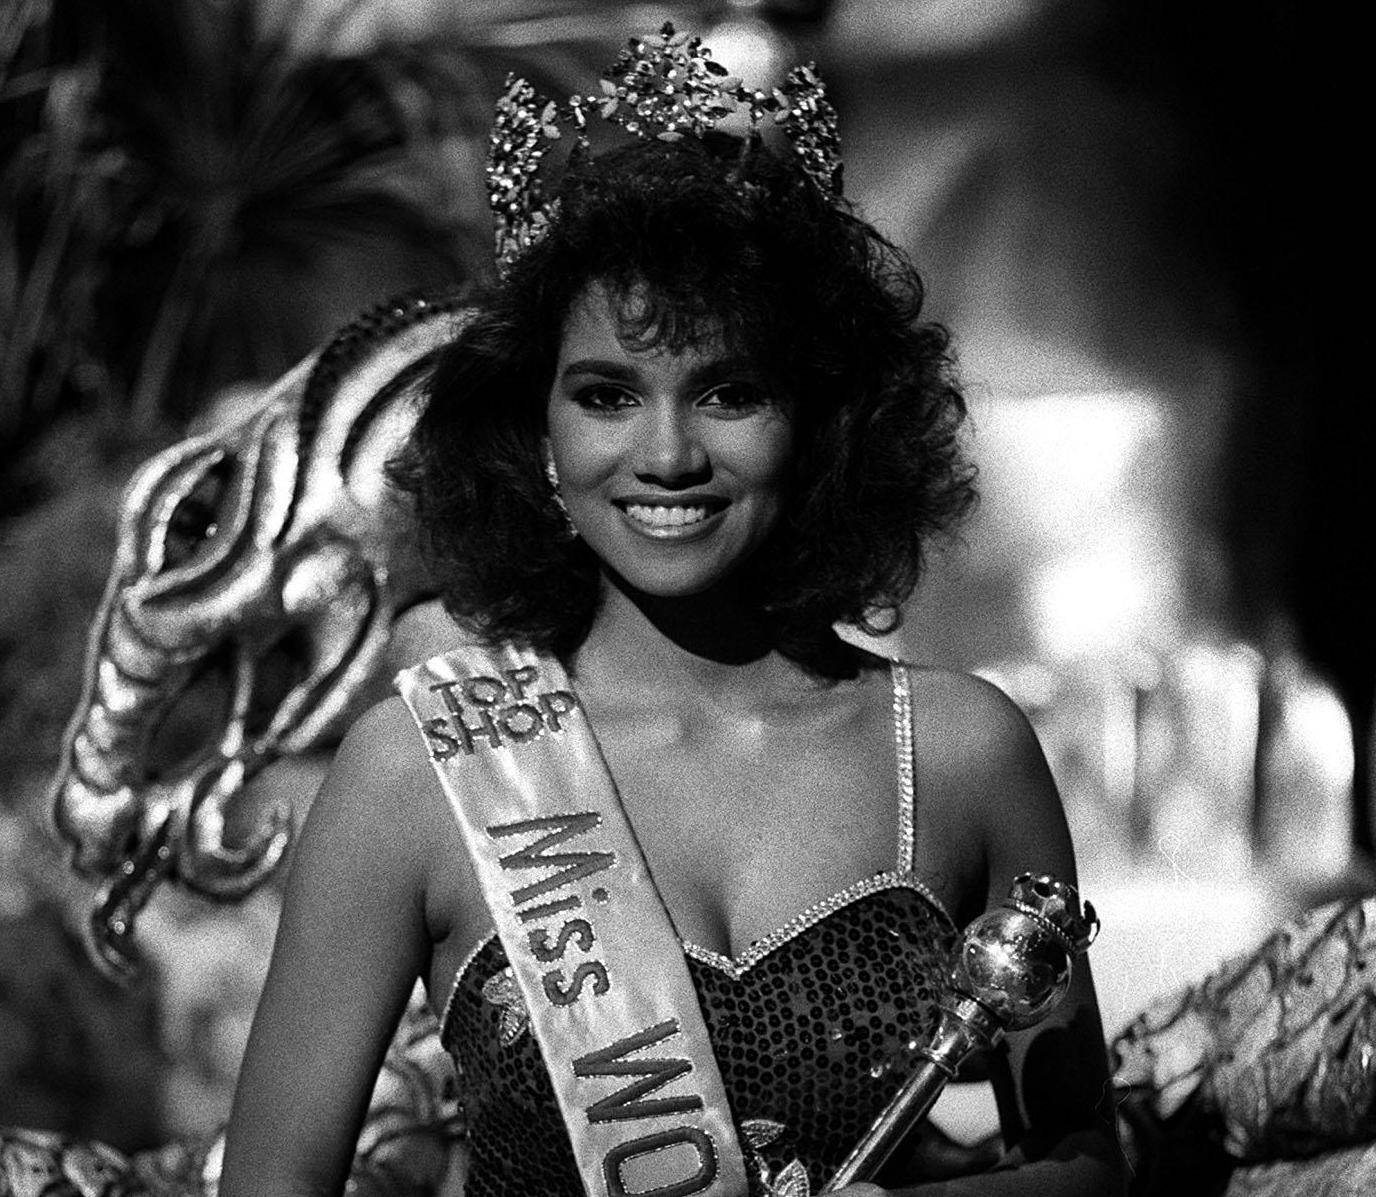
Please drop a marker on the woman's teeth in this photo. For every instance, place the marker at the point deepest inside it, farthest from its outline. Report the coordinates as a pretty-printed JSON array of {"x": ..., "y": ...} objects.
[{"x": 665, "y": 517}]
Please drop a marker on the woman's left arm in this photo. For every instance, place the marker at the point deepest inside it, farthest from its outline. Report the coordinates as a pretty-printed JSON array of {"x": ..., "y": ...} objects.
[{"x": 1061, "y": 1115}]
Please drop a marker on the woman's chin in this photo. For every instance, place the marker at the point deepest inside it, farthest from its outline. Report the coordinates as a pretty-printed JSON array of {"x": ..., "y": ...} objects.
[
  {"x": 666, "y": 571},
  {"x": 687, "y": 577},
  {"x": 658, "y": 585}
]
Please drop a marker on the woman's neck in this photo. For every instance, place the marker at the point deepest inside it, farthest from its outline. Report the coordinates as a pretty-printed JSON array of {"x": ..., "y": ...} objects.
[{"x": 716, "y": 644}]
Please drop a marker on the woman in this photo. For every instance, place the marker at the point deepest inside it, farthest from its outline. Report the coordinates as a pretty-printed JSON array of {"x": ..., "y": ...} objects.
[{"x": 696, "y": 425}]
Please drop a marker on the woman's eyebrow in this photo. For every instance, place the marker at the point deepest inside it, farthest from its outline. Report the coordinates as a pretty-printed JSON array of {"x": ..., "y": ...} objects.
[
  {"x": 735, "y": 367},
  {"x": 619, "y": 371}
]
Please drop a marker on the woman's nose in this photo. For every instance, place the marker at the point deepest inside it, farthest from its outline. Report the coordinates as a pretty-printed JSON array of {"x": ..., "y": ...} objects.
[{"x": 671, "y": 453}]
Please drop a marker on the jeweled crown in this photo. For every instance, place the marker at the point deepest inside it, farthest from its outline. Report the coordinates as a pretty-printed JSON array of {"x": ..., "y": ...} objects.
[{"x": 666, "y": 88}]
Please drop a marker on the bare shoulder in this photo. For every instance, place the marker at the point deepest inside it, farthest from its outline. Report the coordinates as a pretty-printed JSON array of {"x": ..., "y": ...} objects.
[
  {"x": 969, "y": 724},
  {"x": 980, "y": 764},
  {"x": 386, "y": 812},
  {"x": 376, "y": 799},
  {"x": 383, "y": 747}
]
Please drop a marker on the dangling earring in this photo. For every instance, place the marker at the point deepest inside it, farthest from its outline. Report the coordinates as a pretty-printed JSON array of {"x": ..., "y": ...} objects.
[{"x": 552, "y": 477}]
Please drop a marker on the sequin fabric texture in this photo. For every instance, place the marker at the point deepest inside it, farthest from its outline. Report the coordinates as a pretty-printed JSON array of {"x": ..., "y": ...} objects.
[{"x": 814, "y": 1028}]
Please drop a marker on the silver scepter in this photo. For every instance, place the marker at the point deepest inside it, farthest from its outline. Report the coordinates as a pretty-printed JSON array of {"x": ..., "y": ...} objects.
[{"x": 1010, "y": 968}]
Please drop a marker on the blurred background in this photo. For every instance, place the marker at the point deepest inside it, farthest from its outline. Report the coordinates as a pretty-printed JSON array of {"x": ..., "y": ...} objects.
[{"x": 1132, "y": 217}]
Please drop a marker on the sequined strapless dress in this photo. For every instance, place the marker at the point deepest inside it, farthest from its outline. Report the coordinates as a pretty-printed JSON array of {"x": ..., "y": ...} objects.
[{"x": 813, "y": 1029}]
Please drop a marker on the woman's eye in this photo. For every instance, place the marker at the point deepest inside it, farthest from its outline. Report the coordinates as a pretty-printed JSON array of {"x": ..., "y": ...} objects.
[
  {"x": 604, "y": 398},
  {"x": 736, "y": 397}
]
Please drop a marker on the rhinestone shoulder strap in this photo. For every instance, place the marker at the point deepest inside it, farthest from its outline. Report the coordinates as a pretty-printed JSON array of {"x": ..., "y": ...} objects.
[{"x": 903, "y": 748}]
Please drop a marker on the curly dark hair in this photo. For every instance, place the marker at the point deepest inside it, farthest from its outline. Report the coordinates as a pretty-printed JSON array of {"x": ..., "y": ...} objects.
[{"x": 696, "y": 241}]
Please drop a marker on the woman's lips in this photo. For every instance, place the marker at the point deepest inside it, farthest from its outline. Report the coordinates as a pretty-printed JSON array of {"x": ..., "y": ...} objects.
[
  {"x": 663, "y": 517},
  {"x": 671, "y": 520}
]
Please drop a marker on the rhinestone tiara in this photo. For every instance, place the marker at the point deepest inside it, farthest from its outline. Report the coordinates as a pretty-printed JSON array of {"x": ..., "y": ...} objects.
[{"x": 665, "y": 88}]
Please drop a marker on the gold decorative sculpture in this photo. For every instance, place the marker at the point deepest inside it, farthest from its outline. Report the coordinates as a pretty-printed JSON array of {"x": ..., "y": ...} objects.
[{"x": 274, "y": 552}]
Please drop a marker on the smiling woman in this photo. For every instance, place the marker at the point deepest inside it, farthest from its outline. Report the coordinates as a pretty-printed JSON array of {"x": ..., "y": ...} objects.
[
  {"x": 680, "y": 866},
  {"x": 671, "y": 466},
  {"x": 721, "y": 258}
]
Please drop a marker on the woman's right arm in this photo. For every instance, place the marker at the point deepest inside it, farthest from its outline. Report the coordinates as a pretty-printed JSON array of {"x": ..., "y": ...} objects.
[{"x": 351, "y": 942}]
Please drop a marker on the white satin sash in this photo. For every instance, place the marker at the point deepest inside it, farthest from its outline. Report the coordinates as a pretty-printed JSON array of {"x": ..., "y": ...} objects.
[{"x": 596, "y": 957}]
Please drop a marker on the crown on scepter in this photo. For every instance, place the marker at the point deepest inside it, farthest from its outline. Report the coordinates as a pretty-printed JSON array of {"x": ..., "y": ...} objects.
[
  {"x": 662, "y": 89},
  {"x": 1056, "y": 905}
]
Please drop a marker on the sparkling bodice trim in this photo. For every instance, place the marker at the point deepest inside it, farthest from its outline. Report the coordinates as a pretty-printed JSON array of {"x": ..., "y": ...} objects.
[{"x": 738, "y": 966}]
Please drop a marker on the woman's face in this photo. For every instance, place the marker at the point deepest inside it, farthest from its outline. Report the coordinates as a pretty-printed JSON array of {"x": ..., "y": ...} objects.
[{"x": 672, "y": 466}]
